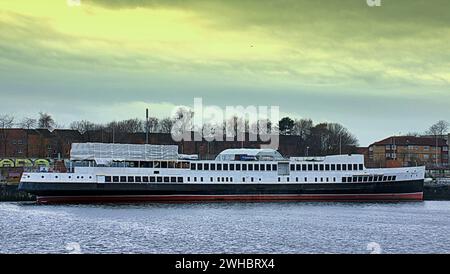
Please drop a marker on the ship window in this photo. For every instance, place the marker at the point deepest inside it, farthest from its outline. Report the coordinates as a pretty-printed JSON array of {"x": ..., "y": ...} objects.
[
  {"x": 244, "y": 167},
  {"x": 344, "y": 179},
  {"x": 206, "y": 167},
  {"x": 380, "y": 178},
  {"x": 243, "y": 179},
  {"x": 361, "y": 166},
  {"x": 225, "y": 166},
  {"x": 166, "y": 179},
  {"x": 159, "y": 179},
  {"x": 232, "y": 167},
  {"x": 152, "y": 179},
  {"x": 163, "y": 164},
  {"x": 321, "y": 167},
  {"x": 156, "y": 172},
  {"x": 338, "y": 167},
  {"x": 296, "y": 179},
  {"x": 321, "y": 179},
  {"x": 306, "y": 179},
  {"x": 56, "y": 177},
  {"x": 145, "y": 179},
  {"x": 334, "y": 179},
  {"x": 269, "y": 167},
  {"x": 123, "y": 179},
  {"x": 310, "y": 167},
  {"x": 349, "y": 167},
  {"x": 231, "y": 179},
  {"x": 173, "y": 179},
  {"x": 193, "y": 166},
  {"x": 344, "y": 167},
  {"x": 70, "y": 177},
  {"x": 130, "y": 179},
  {"x": 189, "y": 179},
  {"x": 138, "y": 179},
  {"x": 333, "y": 167},
  {"x": 226, "y": 179},
  {"x": 199, "y": 167},
  {"x": 213, "y": 166},
  {"x": 389, "y": 178},
  {"x": 262, "y": 167},
  {"x": 108, "y": 179},
  {"x": 292, "y": 167},
  {"x": 219, "y": 166},
  {"x": 251, "y": 179},
  {"x": 315, "y": 179},
  {"x": 238, "y": 166},
  {"x": 180, "y": 179},
  {"x": 355, "y": 179},
  {"x": 116, "y": 179},
  {"x": 355, "y": 166},
  {"x": 201, "y": 179},
  {"x": 211, "y": 179},
  {"x": 375, "y": 178},
  {"x": 327, "y": 179},
  {"x": 370, "y": 178},
  {"x": 257, "y": 167},
  {"x": 365, "y": 178},
  {"x": 250, "y": 167},
  {"x": 171, "y": 164},
  {"x": 298, "y": 167},
  {"x": 316, "y": 167},
  {"x": 287, "y": 179},
  {"x": 279, "y": 180},
  {"x": 384, "y": 178},
  {"x": 195, "y": 179},
  {"x": 150, "y": 164},
  {"x": 274, "y": 167},
  {"x": 327, "y": 167}
]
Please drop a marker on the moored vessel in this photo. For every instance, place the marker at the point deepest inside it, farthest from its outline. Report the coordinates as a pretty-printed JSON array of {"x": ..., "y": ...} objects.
[{"x": 154, "y": 173}]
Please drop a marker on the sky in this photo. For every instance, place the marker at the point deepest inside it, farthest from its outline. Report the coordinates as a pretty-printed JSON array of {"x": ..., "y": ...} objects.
[{"x": 379, "y": 71}]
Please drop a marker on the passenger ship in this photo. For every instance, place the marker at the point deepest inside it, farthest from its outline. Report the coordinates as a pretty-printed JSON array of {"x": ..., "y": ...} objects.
[{"x": 145, "y": 173}]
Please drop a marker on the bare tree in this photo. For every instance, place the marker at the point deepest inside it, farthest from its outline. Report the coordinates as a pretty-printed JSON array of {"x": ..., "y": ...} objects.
[
  {"x": 28, "y": 123},
  {"x": 6, "y": 122},
  {"x": 153, "y": 124},
  {"x": 82, "y": 126},
  {"x": 302, "y": 127},
  {"x": 439, "y": 128},
  {"x": 165, "y": 125},
  {"x": 46, "y": 121}
]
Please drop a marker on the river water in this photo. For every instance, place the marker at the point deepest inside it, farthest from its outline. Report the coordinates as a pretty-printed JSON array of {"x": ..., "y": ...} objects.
[{"x": 412, "y": 227}]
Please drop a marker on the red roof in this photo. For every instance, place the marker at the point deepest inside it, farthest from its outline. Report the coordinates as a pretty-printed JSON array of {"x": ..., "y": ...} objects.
[{"x": 411, "y": 140}]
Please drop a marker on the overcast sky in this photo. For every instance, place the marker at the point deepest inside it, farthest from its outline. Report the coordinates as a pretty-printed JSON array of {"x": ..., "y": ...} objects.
[{"x": 378, "y": 71}]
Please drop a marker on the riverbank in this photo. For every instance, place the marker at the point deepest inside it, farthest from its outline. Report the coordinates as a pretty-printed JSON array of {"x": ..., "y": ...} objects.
[{"x": 10, "y": 193}]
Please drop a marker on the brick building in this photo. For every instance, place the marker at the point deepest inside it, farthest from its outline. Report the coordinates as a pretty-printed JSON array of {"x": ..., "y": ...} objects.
[{"x": 398, "y": 151}]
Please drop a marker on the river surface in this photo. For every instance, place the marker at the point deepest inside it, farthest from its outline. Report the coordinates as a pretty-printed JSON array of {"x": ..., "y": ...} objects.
[{"x": 411, "y": 227}]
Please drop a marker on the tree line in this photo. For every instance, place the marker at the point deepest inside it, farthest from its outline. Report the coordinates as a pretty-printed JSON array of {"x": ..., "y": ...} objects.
[{"x": 314, "y": 139}]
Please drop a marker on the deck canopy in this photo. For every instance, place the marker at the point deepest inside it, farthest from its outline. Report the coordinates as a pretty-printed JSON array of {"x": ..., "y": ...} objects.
[
  {"x": 101, "y": 152},
  {"x": 249, "y": 154}
]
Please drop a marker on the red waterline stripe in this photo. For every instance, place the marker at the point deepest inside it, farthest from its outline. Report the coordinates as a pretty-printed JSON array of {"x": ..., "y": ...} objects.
[{"x": 418, "y": 196}]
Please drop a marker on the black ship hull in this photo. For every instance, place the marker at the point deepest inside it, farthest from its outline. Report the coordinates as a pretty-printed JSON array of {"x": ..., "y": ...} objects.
[{"x": 179, "y": 192}]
